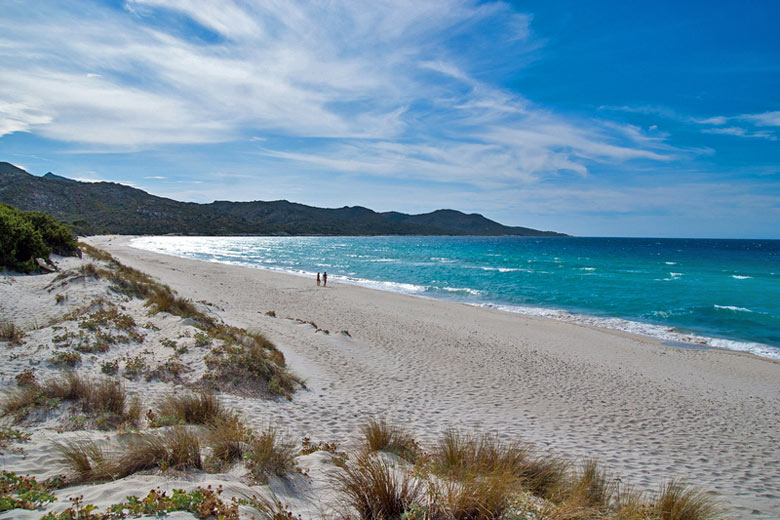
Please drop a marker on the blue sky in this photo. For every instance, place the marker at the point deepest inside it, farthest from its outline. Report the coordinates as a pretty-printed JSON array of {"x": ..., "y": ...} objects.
[{"x": 592, "y": 118}]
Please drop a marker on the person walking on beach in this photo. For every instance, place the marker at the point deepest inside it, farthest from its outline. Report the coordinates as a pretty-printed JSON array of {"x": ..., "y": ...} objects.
[
  {"x": 324, "y": 278},
  {"x": 318, "y": 279}
]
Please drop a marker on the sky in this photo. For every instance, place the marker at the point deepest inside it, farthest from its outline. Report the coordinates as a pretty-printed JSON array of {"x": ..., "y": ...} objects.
[{"x": 594, "y": 118}]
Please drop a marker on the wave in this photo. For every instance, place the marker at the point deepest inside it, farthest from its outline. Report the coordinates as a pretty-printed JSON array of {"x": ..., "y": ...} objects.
[
  {"x": 643, "y": 329},
  {"x": 741, "y": 277},
  {"x": 670, "y": 263},
  {"x": 505, "y": 269},
  {"x": 475, "y": 292},
  {"x": 732, "y": 308}
]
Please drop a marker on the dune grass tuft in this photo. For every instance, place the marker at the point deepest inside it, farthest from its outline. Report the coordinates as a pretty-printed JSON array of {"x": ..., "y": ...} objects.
[
  {"x": 88, "y": 460},
  {"x": 10, "y": 332},
  {"x": 379, "y": 435},
  {"x": 591, "y": 486},
  {"x": 377, "y": 491},
  {"x": 163, "y": 299},
  {"x": 463, "y": 455},
  {"x": 228, "y": 438},
  {"x": 484, "y": 497},
  {"x": 270, "y": 454},
  {"x": 676, "y": 500},
  {"x": 177, "y": 448},
  {"x": 189, "y": 408}
]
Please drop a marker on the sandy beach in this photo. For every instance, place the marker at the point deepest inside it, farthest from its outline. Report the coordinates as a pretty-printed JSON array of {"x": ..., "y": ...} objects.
[{"x": 648, "y": 411}]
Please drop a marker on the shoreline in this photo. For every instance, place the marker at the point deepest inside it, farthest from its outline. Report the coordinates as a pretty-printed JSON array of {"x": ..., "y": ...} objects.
[
  {"x": 648, "y": 411},
  {"x": 653, "y": 331}
]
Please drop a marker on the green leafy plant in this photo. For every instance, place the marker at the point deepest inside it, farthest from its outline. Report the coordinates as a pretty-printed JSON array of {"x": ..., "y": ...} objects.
[{"x": 18, "y": 492}]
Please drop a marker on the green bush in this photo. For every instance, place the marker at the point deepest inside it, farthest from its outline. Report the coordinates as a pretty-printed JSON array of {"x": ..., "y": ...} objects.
[{"x": 25, "y": 236}]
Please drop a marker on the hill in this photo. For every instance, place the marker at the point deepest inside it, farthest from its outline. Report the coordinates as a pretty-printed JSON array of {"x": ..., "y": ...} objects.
[{"x": 108, "y": 207}]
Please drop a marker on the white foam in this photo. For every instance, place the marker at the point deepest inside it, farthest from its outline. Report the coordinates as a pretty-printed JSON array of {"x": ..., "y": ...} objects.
[
  {"x": 461, "y": 289},
  {"x": 732, "y": 308},
  {"x": 740, "y": 277},
  {"x": 670, "y": 263},
  {"x": 643, "y": 329},
  {"x": 587, "y": 268}
]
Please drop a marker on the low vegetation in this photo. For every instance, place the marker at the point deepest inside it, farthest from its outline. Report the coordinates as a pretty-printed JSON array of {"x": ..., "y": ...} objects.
[
  {"x": 472, "y": 477},
  {"x": 270, "y": 454},
  {"x": 243, "y": 362},
  {"x": 379, "y": 435},
  {"x": 190, "y": 408},
  {"x": 377, "y": 491},
  {"x": 27, "y": 235},
  {"x": 201, "y": 502},
  {"x": 104, "y": 400},
  {"x": 18, "y": 492},
  {"x": 10, "y": 332},
  {"x": 249, "y": 365}
]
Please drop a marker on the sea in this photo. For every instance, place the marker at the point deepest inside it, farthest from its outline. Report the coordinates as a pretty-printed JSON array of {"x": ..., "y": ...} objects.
[{"x": 694, "y": 293}]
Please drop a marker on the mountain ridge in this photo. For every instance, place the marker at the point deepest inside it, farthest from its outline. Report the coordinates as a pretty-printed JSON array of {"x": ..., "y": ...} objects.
[{"x": 109, "y": 207}]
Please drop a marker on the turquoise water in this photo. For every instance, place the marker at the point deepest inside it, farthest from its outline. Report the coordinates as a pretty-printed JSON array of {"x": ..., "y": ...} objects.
[{"x": 723, "y": 293}]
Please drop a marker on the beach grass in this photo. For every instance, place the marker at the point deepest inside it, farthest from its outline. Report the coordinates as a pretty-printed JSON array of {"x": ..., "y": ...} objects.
[
  {"x": 377, "y": 491},
  {"x": 270, "y": 454},
  {"x": 103, "y": 399},
  {"x": 189, "y": 408},
  {"x": 379, "y": 435},
  {"x": 677, "y": 500},
  {"x": 177, "y": 448},
  {"x": 88, "y": 461},
  {"x": 10, "y": 332},
  {"x": 228, "y": 438}
]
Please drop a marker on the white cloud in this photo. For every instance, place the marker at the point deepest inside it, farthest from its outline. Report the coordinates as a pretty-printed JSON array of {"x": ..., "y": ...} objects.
[
  {"x": 352, "y": 72},
  {"x": 741, "y": 132},
  {"x": 764, "y": 119}
]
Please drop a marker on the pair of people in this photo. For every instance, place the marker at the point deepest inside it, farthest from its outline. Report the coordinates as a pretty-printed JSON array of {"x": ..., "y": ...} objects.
[{"x": 324, "y": 279}]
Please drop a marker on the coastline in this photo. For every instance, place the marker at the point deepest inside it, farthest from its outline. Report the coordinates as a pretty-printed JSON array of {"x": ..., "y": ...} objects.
[
  {"x": 657, "y": 331},
  {"x": 649, "y": 411}
]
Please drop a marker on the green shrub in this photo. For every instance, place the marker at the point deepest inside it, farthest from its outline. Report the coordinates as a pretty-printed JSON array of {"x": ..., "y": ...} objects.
[{"x": 25, "y": 236}]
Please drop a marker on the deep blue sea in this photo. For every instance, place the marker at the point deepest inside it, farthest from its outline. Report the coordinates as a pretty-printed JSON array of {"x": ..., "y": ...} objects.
[{"x": 722, "y": 293}]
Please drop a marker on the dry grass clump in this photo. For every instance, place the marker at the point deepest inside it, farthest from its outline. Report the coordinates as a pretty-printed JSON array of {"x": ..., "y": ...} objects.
[
  {"x": 163, "y": 299},
  {"x": 189, "y": 408},
  {"x": 96, "y": 253},
  {"x": 177, "y": 448},
  {"x": 104, "y": 399},
  {"x": 381, "y": 436},
  {"x": 377, "y": 491},
  {"x": 270, "y": 454},
  {"x": 591, "y": 486},
  {"x": 88, "y": 460},
  {"x": 228, "y": 438},
  {"x": 487, "y": 497},
  {"x": 676, "y": 500},
  {"x": 10, "y": 332},
  {"x": 545, "y": 476},
  {"x": 463, "y": 455}
]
